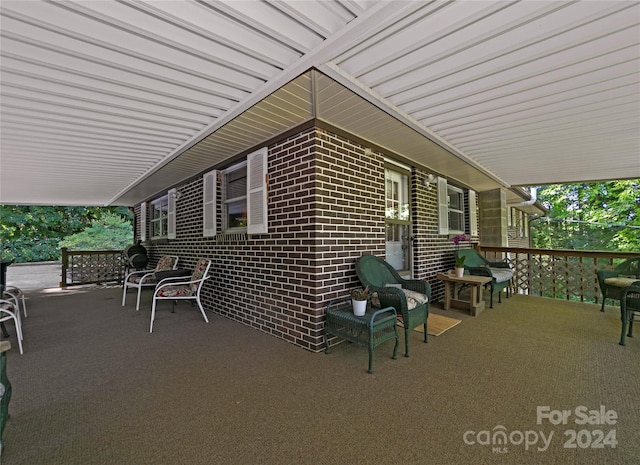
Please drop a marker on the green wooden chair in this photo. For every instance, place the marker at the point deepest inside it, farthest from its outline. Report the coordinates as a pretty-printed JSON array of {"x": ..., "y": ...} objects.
[
  {"x": 629, "y": 310},
  {"x": 499, "y": 272},
  {"x": 628, "y": 268},
  {"x": 390, "y": 288}
]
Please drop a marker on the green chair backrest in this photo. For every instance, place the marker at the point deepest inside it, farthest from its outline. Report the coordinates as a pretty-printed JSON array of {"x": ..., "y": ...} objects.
[
  {"x": 374, "y": 271},
  {"x": 473, "y": 258},
  {"x": 629, "y": 267}
]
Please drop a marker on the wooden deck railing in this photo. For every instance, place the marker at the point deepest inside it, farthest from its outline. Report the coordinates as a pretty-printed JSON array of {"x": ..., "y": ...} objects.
[
  {"x": 560, "y": 274},
  {"x": 91, "y": 267}
]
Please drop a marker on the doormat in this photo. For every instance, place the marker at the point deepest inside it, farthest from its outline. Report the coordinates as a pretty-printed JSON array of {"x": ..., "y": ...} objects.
[{"x": 437, "y": 324}]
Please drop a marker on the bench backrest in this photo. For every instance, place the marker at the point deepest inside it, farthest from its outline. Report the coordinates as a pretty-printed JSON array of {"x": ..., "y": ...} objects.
[
  {"x": 629, "y": 267},
  {"x": 472, "y": 258}
]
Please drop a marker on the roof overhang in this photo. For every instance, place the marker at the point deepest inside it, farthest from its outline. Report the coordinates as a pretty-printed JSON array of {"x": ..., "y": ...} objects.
[{"x": 109, "y": 103}]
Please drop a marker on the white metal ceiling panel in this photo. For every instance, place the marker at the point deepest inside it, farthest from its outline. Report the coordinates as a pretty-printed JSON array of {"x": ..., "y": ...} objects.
[
  {"x": 516, "y": 86},
  {"x": 110, "y": 102},
  {"x": 288, "y": 107}
]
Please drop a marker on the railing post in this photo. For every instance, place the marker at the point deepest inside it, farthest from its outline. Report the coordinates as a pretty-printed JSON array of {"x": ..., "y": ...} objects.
[{"x": 65, "y": 266}]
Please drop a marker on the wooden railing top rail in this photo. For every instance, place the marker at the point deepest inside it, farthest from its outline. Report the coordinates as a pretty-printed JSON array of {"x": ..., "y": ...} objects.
[
  {"x": 566, "y": 274},
  {"x": 91, "y": 252},
  {"x": 560, "y": 252}
]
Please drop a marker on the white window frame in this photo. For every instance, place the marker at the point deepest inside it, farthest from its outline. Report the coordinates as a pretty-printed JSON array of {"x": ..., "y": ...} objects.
[
  {"x": 255, "y": 198},
  {"x": 159, "y": 219},
  {"x": 226, "y": 201},
  {"x": 143, "y": 221},
  {"x": 210, "y": 191},
  {"x": 468, "y": 211},
  {"x": 473, "y": 213},
  {"x": 171, "y": 214},
  {"x": 456, "y": 212}
]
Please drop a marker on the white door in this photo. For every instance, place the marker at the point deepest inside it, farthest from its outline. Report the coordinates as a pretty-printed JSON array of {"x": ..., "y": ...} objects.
[{"x": 398, "y": 221}]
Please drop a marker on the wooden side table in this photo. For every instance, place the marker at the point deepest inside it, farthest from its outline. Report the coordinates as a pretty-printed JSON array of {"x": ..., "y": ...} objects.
[
  {"x": 375, "y": 327},
  {"x": 475, "y": 304}
]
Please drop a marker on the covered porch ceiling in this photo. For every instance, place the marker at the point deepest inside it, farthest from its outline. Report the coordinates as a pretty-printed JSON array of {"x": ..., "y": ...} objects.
[{"x": 111, "y": 102}]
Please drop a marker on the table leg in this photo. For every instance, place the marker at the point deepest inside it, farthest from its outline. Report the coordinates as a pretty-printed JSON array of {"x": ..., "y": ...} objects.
[
  {"x": 447, "y": 295},
  {"x": 474, "y": 297}
]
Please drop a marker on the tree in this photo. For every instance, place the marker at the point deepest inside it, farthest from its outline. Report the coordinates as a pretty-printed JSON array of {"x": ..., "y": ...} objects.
[
  {"x": 109, "y": 232},
  {"x": 589, "y": 216},
  {"x": 33, "y": 233}
]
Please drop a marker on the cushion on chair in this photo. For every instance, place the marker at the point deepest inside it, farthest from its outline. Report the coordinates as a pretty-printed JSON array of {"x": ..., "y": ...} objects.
[
  {"x": 148, "y": 280},
  {"x": 620, "y": 282},
  {"x": 414, "y": 298},
  {"x": 198, "y": 273},
  {"x": 501, "y": 275},
  {"x": 165, "y": 263},
  {"x": 174, "y": 291}
]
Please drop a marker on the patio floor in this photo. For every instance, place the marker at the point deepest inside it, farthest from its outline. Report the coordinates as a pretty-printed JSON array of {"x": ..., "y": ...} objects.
[{"x": 94, "y": 387}]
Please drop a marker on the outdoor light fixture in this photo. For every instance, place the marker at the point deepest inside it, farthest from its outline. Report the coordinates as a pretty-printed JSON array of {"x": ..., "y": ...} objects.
[{"x": 430, "y": 179}]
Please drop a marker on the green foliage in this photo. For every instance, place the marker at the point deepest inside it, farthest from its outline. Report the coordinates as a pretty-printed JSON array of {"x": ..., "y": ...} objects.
[
  {"x": 589, "y": 216},
  {"x": 109, "y": 232},
  {"x": 33, "y": 233}
]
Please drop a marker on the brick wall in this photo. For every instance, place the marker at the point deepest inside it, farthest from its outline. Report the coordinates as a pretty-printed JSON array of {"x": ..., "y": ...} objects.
[
  {"x": 323, "y": 214},
  {"x": 432, "y": 252},
  {"x": 326, "y": 208}
]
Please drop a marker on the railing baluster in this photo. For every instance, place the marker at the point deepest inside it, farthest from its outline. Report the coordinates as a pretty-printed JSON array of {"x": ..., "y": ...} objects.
[
  {"x": 91, "y": 267},
  {"x": 539, "y": 271}
]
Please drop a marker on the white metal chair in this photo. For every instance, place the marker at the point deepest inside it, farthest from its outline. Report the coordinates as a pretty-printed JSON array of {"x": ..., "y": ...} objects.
[
  {"x": 17, "y": 293},
  {"x": 181, "y": 288},
  {"x": 10, "y": 310},
  {"x": 146, "y": 278}
]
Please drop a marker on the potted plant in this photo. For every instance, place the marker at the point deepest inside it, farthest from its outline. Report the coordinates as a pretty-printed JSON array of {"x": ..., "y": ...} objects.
[
  {"x": 359, "y": 299},
  {"x": 460, "y": 258}
]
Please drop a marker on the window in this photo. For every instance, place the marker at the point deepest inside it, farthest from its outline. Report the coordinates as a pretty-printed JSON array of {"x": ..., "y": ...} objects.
[
  {"x": 243, "y": 197},
  {"x": 452, "y": 210},
  {"x": 163, "y": 221},
  {"x": 397, "y": 219},
  {"x": 234, "y": 190},
  {"x": 159, "y": 220},
  {"x": 456, "y": 210}
]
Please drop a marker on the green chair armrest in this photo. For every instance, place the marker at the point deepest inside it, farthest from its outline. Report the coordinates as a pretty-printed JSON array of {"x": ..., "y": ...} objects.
[
  {"x": 501, "y": 264},
  {"x": 479, "y": 271},
  {"x": 604, "y": 274},
  {"x": 391, "y": 297},
  {"x": 417, "y": 285}
]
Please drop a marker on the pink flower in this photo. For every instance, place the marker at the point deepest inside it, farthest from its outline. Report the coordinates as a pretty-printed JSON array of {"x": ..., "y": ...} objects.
[
  {"x": 460, "y": 238},
  {"x": 456, "y": 240}
]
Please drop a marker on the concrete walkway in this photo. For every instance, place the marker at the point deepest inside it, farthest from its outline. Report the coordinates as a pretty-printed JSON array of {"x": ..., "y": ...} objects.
[{"x": 34, "y": 276}]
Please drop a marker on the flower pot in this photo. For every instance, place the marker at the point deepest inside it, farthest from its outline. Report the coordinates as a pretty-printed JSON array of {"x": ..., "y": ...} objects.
[
  {"x": 459, "y": 272},
  {"x": 359, "y": 307}
]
